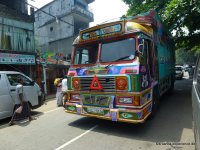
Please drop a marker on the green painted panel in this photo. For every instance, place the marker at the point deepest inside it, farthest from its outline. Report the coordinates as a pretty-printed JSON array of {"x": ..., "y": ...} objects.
[
  {"x": 71, "y": 108},
  {"x": 128, "y": 115},
  {"x": 136, "y": 82},
  {"x": 69, "y": 83}
]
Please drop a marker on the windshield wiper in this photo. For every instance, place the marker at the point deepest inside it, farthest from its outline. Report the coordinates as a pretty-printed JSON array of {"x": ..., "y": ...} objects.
[{"x": 122, "y": 58}]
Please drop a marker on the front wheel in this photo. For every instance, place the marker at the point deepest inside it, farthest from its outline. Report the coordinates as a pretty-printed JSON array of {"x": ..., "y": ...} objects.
[
  {"x": 171, "y": 89},
  {"x": 155, "y": 104},
  {"x": 64, "y": 100}
]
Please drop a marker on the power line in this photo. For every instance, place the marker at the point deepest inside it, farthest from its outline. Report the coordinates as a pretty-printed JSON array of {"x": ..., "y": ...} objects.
[
  {"x": 48, "y": 13},
  {"x": 39, "y": 10}
]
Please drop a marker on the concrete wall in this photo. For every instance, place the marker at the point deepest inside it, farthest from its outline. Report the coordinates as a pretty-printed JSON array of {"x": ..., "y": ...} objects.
[
  {"x": 54, "y": 31},
  {"x": 53, "y": 34},
  {"x": 60, "y": 8},
  {"x": 56, "y": 8},
  {"x": 63, "y": 46}
]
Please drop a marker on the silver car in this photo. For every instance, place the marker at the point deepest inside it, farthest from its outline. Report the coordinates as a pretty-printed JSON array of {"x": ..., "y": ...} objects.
[{"x": 196, "y": 104}]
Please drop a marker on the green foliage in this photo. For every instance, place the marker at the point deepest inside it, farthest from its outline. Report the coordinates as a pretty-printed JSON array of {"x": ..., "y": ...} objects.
[
  {"x": 181, "y": 16},
  {"x": 185, "y": 57}
]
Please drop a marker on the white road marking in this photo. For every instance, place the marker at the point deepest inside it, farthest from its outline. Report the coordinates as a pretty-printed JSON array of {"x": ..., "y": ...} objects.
[
  {"x": 46, "y": 112},
  {"x": 76, "y": 138}
]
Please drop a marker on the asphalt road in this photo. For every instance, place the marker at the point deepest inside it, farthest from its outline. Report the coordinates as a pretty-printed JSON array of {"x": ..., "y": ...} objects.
[{"x": 170, "y": 129}]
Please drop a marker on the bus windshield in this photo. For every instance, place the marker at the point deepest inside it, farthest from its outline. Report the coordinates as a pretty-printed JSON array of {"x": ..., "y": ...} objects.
[
  {"x": 86, "y": 54},
  {"x": 118, "y": 50}
]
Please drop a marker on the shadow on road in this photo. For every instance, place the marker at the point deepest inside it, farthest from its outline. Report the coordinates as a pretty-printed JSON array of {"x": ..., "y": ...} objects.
[
  {"x": 36, "y": 113},
  {"x": 173, "y": 115},
  {"x": 4, "y": 122}
]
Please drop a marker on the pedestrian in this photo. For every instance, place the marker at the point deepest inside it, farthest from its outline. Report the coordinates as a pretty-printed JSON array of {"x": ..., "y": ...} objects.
[
  {"x": 21, "y": 108},
  {"x": 64, "y": 90},
  {"x": 58, "y": 84},
  {"x": 190, "y": 71},
  {"x": 64, "y": 84}
]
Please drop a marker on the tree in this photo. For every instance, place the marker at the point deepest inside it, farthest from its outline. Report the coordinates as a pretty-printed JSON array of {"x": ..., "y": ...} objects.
[
  {"x": 185, "y": 57},
  {"x": 181, "y": 16}
]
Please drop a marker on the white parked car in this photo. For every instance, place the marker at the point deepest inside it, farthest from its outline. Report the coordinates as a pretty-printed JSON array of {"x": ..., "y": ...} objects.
[
  {"x": 179, "y": 72},
  {"x": 8, "y": 82}
]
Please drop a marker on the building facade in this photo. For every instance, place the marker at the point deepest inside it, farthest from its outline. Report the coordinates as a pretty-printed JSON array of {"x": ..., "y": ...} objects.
[
  {"x": 17, "y": 46},
  {"x": 57, "y": 24}
]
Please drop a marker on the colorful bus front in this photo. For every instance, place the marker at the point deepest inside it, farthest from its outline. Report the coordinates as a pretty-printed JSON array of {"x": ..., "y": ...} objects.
[{"x": 110, "y": 71}]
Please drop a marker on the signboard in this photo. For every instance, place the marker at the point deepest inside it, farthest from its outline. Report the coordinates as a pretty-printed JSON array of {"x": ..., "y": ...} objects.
[
  {"x": 51, "y": 58},
  {"x": 102, "y": 31},
  {"x": 18, "y": 59}
]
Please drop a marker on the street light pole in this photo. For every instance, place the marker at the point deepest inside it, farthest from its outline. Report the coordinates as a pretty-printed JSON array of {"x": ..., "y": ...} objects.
[{"x": 44, "y": 78}]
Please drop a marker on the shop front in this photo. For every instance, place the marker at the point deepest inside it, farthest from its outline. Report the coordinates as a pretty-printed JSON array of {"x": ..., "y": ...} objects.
[
  {"x": 15, "y": 61},
  {"x": 50, "y": 66}
]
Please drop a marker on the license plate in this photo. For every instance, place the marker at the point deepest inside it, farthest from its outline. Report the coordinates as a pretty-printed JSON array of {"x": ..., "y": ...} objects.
[
  {"x": 95, "y": 110},
  {"x": 97, "y": 100}
]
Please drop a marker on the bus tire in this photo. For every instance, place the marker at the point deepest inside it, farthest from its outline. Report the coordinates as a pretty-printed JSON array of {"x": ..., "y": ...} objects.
[
  {"x": 171, "y": 89},
  {"x": 155, "y": 103}
]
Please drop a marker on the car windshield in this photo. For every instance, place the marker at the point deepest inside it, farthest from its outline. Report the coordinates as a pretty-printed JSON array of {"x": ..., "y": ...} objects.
[
  {"x": 118, "y": 50},
  {"x": 86, "y": 54},
  {"x": 178, "y": 68},
  {"x": 13, "y": 79}
]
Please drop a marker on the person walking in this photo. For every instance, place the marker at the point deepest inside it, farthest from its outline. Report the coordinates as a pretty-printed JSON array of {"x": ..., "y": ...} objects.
[
  {"x": 58, "y": 84},
  {"x": 64, "y": 90},
  {"x": 64, "y": 84},
  {"x": 190, "y": 72},
  {"x": 21, "y": 108}
]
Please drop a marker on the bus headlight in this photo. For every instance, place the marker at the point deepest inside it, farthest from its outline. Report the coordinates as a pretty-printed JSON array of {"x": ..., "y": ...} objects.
[{"x": 121, "y": 83}]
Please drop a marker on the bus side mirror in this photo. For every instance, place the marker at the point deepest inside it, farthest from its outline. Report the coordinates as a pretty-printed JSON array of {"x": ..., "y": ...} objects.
[
  {"x": 141, "y": 49},
  {"x": 141, "y": 46}
]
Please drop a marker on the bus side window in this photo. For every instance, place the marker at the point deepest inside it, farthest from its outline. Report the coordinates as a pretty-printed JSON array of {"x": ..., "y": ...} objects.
[
  {"x": 84, "y": 57},
  {"x": 150, "y": 56},
  {"x": 145, "y": 52}
]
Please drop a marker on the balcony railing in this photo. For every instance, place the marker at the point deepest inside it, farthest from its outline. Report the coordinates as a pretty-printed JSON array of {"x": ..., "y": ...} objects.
[{"x": 87, "y": 12}]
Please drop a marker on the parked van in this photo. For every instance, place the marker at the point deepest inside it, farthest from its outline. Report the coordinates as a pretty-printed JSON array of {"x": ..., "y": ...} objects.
[{"x": 8, "y": 82}]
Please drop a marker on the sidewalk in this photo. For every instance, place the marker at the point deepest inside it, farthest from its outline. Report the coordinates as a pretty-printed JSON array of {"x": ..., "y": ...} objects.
[{"x": 50, "y": 96}]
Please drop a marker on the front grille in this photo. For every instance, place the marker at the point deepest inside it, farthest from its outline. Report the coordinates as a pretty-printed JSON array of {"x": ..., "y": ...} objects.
[{"x": 108, "y": 83}]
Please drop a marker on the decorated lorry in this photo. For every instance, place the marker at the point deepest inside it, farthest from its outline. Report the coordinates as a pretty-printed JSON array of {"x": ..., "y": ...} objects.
[{"x": 119, "y": 70}]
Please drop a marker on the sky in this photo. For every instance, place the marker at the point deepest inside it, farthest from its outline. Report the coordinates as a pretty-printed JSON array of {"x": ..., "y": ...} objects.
[{"x": 103, "y": 10}]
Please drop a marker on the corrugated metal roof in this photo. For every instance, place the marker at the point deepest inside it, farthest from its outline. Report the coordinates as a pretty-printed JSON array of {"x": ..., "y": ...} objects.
[{"x": 7, "y": 12}]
